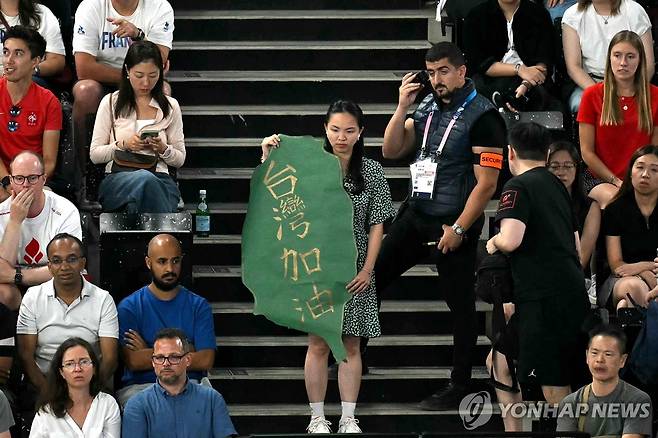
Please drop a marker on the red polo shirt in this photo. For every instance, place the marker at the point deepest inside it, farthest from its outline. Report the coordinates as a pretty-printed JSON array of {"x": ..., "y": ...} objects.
[{"x": 40, "y": 111}]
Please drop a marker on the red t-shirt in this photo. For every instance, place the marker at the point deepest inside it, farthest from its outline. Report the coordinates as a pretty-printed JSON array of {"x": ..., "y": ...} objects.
[
  {"x": 614, "y": 144},
  {"x": 40, "y": 111}
]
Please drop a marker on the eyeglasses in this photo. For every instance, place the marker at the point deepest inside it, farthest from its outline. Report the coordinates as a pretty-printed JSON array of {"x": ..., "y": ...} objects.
[
  {"x": 174, "y": 359},
  {"x": 20, "y": 179},
  {"x": 556, "y": 165},
  {"x": 84, "y": 363},
  {"x": 14, "y": 112},
  {"x": 71, "y": 260}
]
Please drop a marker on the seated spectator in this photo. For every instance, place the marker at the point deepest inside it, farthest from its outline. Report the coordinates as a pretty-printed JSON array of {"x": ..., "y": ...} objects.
[
  {"x": 606, "y": 355},
  {"x": 588, "y": 28},
  {"x": 65, "y": 307},
  {"x": 30, "y": 115},
  {"x": 511, "y": 54},
  {"x": 538, "y": 229},
  {"x": 6, "y": 417},
  {"x": 72, "y": 404},
  {"x": 139, "y": 119},
  {"x": 557, "y": 8},
  {"x": 564, "y": 162},
  {"x": 630, "y": 224},
  {"x": 163, "y": 303},
  {"x": 28, "y": 222},
  {"x": 33, "y": 14},
  {"x": 102, "y": 33},
  {"x": 175, "y": 405},
  {"x": 616, "y": 117}
]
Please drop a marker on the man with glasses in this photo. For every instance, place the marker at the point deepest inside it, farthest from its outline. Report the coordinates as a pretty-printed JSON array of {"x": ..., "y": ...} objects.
[
  {"x": 163, "y": 303},
  {"x": 30, "y": 115},
  {"x": 64, "y": 307},
  {"x": 174, "y": 405},
  {"x": 29, "y": 219},
  {"x": 454, "y": 139}
]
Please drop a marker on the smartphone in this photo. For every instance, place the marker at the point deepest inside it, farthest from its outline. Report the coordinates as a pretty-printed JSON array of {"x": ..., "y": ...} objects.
[
  {"x": 422, "y": 78},
  {"x": 146, "y": 134}
]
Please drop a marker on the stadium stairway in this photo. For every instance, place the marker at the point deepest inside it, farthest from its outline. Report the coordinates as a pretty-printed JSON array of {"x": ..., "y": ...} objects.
[{"x": 241, "y": 74}]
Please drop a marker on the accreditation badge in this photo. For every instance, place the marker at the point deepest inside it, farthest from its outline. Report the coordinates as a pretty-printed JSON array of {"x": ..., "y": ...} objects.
[{"x": 423, "y": 175}]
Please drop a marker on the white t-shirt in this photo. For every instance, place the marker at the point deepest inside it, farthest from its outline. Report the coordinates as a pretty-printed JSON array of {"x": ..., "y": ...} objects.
[
  {"x": 92, "y": 33},
  {"x": 595, "y": 35},
  {"x": 92, "y": 316},
  {"x": 48, "y": 28},
  {"x": 103, "y": 421},
  {"x": 59, "y": 215},
  {"x": 511, "y": 56}
]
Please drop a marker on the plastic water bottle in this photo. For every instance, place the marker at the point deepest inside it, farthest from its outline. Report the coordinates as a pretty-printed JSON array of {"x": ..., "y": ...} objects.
[{"x": 202, "y": 216}]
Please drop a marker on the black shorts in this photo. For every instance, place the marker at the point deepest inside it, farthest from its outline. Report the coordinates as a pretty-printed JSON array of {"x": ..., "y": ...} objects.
[{"x": 551, "y": 339}]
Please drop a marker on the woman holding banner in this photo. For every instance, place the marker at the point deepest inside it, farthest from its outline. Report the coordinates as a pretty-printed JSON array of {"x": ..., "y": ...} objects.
[{"x": 368, "y": 189}]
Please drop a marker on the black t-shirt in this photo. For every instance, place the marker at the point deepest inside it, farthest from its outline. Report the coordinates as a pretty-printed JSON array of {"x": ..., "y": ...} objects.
[
  {"x": 639, "y": 236},
  {"x": 546, "y": 263},
  {"x": 489, "y": 131}
]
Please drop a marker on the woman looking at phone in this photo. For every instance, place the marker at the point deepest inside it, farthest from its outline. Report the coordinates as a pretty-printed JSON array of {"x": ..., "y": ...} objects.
[{"x": 139, "y": 134}]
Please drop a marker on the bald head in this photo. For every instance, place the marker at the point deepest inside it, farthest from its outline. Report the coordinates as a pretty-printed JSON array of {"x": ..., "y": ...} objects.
[
  {"x": 164, "y": 243},
  {"x": 27, "y": 159}
]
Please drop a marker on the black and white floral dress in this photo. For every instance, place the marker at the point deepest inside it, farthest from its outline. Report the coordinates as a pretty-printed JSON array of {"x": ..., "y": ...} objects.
[{"x": 371, "y": 207}]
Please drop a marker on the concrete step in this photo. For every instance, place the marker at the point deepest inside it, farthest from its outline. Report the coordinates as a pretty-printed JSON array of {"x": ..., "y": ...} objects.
[
  {"x": 385, "y": 351},
  {"x": 380, "y": 385},
  {"x": 397, "y": 317},
  {"x": 303, "y": 25},
  {"x": 291, "y": 6},
  {"x": 233, "y": 184},
  {"x": 263, "y": 120},
  {"x": 298, "y": 55},
  {"x": 255, "y": 87}
]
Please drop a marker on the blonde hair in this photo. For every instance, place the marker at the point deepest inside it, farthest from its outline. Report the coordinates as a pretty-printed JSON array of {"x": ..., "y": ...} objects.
[
  {"x": 611, "y": 113},
  {"x": 614, "y": 5}
]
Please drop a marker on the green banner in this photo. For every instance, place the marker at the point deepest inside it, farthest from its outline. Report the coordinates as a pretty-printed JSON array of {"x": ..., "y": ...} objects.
[{"x": 298, "y": 249}]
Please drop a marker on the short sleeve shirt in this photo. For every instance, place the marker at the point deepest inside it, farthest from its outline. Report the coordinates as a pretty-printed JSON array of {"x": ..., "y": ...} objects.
[
  {"x": 614, "y": 144},
  {"x": 540, "y": 200},
  {"x": 48, "y": 28},
  {"x": 59, "y": 215},
  {"x": 145, "y": 313},
  {"x": 638, "y": 236},
  {"x": 92, "y": 316},
  {"x": 92, "y": 33},
  {"x": 39, "y": 111},
  {"x": 595, "y": 35},
  {"x": 624, "y": 398}
]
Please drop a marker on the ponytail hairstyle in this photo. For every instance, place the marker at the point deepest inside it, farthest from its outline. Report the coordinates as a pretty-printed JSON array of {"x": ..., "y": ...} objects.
[{"x": 353, "y": 174}]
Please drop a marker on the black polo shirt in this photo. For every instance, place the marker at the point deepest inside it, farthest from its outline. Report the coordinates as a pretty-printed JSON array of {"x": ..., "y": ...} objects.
[{"x": 639, "y": 235}]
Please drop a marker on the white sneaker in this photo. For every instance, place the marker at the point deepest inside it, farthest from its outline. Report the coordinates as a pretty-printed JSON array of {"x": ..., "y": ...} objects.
[
  {"x": 318, "y": 425},
  {"x": 349, "y": 425}
]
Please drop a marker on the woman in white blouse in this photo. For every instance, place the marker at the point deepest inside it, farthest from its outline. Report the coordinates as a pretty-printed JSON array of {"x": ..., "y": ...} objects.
[
  {"x": 72, "y": 404},
  {"x": 588, "y": 28}
]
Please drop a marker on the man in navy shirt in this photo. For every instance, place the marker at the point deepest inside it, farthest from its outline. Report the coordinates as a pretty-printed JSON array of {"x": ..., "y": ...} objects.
[
  {"x": 175, "y": 406},
  {"x": 163, "y": 303}
]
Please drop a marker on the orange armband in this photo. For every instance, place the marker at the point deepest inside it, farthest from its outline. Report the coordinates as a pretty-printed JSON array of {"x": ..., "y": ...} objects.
[{"x": 489, "y": 159}]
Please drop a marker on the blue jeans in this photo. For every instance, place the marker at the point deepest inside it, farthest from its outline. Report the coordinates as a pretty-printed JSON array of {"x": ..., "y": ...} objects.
[
  {"x": 139, "y": 191},
  {"x": 558, "y": 11}
]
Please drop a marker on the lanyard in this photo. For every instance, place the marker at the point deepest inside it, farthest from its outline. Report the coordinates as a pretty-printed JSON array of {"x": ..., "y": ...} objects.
[{"x": 454, "y": 119}]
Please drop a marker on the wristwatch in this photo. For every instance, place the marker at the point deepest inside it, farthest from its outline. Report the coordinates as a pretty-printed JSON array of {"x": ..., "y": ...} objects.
[
  {"x": 458, "y": 229},
  {"x": 18, "y": 278},
  {"x": 140, "y": 35}
]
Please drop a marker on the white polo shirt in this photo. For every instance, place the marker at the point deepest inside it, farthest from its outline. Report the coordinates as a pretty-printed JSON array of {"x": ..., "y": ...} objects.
[{"x": 91, "y": 316}]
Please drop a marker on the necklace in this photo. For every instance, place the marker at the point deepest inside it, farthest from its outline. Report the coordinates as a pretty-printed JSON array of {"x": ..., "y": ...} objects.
[{"x": 605, "y": 19}]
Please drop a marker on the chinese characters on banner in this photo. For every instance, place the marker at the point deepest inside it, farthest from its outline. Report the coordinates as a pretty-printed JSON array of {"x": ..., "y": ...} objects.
[{"x": 298, "y": 246}]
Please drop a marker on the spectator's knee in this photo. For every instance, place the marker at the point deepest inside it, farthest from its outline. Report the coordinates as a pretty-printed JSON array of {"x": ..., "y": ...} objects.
[
  {"x": 166, "y": 87},
  {"x": 318, "y": 347},
  {"x": 87, "y": 94},
  {"x": 352, "y": 345},
  {"x": 10, "y": 296}
]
